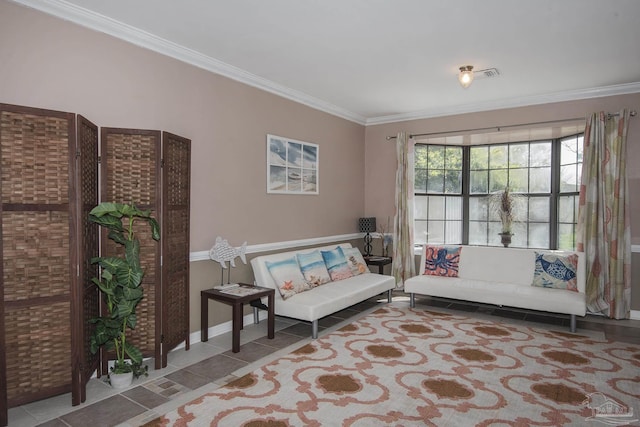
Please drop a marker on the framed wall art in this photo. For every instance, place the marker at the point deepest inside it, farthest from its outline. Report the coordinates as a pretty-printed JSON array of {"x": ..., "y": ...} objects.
[{"x": 292, "y": 166}]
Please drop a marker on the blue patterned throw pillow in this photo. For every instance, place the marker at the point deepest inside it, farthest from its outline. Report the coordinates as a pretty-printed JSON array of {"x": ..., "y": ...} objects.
[
  {"x": 288, "y": 278},
  {"x": 336, "y": 264},
  {"x": 313, "y": 268},
  {"x": 442, "y": 260},
  {"x": 556, "y": 271},
  {"x": 355, "y": 260}
]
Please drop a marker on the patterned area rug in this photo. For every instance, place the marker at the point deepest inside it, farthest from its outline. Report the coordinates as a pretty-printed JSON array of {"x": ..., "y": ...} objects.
[{"x": 403, "y": 367}]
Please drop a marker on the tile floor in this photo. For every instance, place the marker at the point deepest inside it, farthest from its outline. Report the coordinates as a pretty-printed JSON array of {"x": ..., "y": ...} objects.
[{"x": 207, "y": 366}]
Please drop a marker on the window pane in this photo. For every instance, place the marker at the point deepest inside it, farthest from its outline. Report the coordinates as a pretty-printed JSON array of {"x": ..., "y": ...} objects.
[
  {"x": 566, "y": 236},
  {"x": 580, "y": 144},
  {"x": 540, "y": 180},
  {"x": 420, "y": 156},
  {"x": 420, "y": 207},
  {"x": 519, "y": 238},
  {"x": 539, "y": 209},
  {"x": 479, "y": 182},
  {"x": 420, "y": 232},
  {"x": 568, "y": 151},
  {"x": 538, "y": 235},
  {"x": 436, "y": 232},
  {"x": 478, "y": 209},
  {"x": 540, "y": 154},
  {"x": 436, "y": 207},
  {"x": 497, "y": 180},
  {"x": 519, "y": 180},
  {"x": 420, "y": 181},
  {"x": 454, "y": 158},
  {"x": 435, "y": 181},
  {"x": 479, "y": 158},
  {"x": 477, "y": 233},
  {"x": 518, "y": 155},
  {"x": 494, "y": 234},
  {"x": 498, "y": 156},
  {"x": 569, "y": 178},
  {"x": 436, "y": 157},
  {"x": 453, "y": 182},
  {"x": 454, "y": 208},
  {"x": 453, "y": 234},
  {"x": 565, "y": 209}
]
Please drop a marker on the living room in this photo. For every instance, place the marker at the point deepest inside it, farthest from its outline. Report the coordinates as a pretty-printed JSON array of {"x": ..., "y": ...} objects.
[{"x": 50, "y": 63}]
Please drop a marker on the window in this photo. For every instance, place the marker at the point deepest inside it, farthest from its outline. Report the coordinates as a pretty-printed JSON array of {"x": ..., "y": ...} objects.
[
  {"x": 438, "y": 176},
  {"x": 453, "y": 184}
]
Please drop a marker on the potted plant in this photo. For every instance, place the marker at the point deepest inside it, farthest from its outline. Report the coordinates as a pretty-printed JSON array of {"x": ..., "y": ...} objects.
[
  {"x": 507, "y": 206},
  {"x": 120, "y": 281}
]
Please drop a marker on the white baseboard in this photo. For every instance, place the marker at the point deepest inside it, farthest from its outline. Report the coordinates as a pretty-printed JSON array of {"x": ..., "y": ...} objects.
[{"x": 635, "y": 315}]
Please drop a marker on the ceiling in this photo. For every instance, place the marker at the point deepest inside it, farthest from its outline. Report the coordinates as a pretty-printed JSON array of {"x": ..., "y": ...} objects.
[{"x": 378, "y": 61}]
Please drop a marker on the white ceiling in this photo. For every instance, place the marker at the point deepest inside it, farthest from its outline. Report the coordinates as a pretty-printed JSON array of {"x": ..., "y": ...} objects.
[{"x": 376, "y": 61}]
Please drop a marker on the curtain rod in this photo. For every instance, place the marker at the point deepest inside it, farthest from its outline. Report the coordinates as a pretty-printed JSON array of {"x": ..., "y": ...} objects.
[{"x": 632, "y": 113}]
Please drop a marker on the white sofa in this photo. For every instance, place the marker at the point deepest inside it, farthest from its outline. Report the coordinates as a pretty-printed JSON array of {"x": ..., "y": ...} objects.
[
  {"x": 325, "y": 299},
  {"x": 501, "y": 276}
]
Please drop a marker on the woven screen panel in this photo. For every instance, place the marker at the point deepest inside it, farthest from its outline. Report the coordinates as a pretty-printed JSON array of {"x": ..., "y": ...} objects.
[
  {"x": 131, "y": 178},
  {"x": 88, "y": 193},
  {"x": 131, "y": 162},
  {"x": 35, "y": 159},
  {"x": 35, "y": 254},
  {"x": 176, "y": 291},
  {"x": 38, "y": 341},
  {"x": 177, "y": 160}
]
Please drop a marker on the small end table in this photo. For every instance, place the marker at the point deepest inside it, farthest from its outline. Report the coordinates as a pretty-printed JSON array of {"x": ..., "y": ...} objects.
[
  {"x": 236, "y": 301},
  {"x": 380, "y": 261}
]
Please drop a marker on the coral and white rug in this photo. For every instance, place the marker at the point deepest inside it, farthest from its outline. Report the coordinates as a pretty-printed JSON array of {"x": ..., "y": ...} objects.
[{"x": 410, "y": 367}]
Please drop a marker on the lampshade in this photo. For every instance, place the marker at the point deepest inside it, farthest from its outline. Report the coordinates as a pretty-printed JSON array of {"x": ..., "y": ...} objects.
[
  {"x": 367, "y": 225},
  {"x": 466, "y": 75}
]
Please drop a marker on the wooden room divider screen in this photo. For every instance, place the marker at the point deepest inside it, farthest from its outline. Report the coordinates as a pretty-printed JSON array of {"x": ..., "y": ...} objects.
[{"x": 49, "y": 183}]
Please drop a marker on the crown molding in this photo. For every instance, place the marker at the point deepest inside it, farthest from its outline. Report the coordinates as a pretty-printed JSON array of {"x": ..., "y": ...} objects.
[
  {"x": 571, "y": 95},
  {"x": 97, "y": 22}
]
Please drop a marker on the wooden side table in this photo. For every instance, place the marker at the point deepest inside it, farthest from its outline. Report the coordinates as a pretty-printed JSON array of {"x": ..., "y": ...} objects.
[
  {"x": 236, "y": 301},
  {"x": 380, "y": 261}
]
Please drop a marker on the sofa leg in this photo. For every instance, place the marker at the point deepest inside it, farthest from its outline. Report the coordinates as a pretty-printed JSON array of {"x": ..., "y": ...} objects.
[
  {"x": 412, "y": 300},
  {"x": 314, "y": 329},
  {"x": 389, "y": 296},
  {"x": 573, "y": 323}
]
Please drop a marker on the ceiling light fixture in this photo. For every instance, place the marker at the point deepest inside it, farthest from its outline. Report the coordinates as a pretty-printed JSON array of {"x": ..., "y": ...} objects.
[{"x": 466, "y": 75}]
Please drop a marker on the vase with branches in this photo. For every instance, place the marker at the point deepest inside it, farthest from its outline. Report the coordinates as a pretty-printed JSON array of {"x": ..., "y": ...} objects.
[
  {"x": 508, "y": 207},
  {"x": 386, "y": 238}
]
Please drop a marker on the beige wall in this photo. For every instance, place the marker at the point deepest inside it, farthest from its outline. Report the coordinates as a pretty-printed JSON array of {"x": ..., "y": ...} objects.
[{"x": 50, "y": 63}]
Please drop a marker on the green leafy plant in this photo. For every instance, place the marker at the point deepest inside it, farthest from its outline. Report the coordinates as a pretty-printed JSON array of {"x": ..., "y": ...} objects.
[{"x": 120, "y": 282}]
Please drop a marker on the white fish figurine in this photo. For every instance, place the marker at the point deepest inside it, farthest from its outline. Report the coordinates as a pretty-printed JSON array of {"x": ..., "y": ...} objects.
[{"x": 222, "y": 252}]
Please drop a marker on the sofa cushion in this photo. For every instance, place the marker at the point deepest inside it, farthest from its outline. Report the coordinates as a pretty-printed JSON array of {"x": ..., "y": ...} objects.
[
  {"x": 556, "y": 271},
  {"x": 355, "y": 260},
  {"x": 442, "y": 260},
  {"x": 336, "y": 264},
  {"x": 313, "y": 268},
  {"x": 287, "y": 276}
]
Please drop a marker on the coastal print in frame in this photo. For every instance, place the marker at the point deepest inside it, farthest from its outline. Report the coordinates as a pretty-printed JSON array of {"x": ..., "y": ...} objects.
[{"x": 292, "y": 166}]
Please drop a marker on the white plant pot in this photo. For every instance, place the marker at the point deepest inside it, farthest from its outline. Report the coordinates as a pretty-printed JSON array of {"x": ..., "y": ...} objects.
[{"x": 121, "y": 380}]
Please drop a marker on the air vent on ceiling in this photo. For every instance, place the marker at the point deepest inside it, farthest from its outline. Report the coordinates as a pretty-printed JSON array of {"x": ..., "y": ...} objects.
[{"x": 487, "y": 73}]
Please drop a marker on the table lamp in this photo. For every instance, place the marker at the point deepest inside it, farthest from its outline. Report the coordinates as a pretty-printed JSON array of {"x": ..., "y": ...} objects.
[{"x": 367, "y": 225}]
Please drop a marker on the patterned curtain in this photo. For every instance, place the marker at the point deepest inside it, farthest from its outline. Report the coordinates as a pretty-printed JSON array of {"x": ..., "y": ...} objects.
[
  {"x": 403, "y": 266},
  {"x": 603, "y": 217}
]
